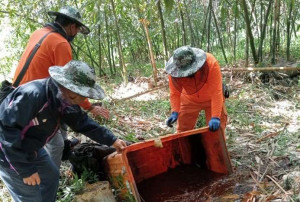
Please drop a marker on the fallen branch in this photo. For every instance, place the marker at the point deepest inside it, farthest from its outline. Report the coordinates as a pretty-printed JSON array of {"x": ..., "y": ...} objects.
[
  {"x": 272, "y": 134},
  {"x": 141, "y": 93},
  {"x": 257, "y": 183},
  {"x": 268, "y": 136},
  {"x": 278, "y": 185},
  {"x": 252, "y": 69}
]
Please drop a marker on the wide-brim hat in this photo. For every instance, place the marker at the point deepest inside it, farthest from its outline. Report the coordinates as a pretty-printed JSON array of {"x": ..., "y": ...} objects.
[
  {"x": 72, "y": 14},
  {"x": 193, "y": 58},
  {"x": 79, "y": 78}
]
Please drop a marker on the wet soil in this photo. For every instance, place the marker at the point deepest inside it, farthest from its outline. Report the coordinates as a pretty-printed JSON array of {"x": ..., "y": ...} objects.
[{"x": 185, "y": 183}]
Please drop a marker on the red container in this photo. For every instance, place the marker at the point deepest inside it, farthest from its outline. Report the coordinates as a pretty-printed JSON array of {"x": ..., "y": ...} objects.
[{"x": 144, "y": 160}]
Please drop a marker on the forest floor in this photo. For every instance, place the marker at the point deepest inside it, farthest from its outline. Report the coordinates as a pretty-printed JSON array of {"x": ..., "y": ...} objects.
[{"x": 262, "y": 134}]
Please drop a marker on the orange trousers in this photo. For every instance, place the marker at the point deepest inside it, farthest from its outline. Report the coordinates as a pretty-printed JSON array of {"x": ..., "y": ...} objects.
[{"x": 217, "y": 157}]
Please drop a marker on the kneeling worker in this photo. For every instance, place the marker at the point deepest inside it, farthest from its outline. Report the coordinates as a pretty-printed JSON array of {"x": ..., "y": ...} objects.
[{"x": 31, "y": 115}]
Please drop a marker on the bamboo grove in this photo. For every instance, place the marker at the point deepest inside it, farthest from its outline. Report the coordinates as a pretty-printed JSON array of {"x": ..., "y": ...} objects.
[{"x": 257, "y": 32}]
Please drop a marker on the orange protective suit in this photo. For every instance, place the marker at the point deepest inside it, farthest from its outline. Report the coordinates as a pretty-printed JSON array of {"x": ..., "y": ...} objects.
[
  {"x": 208, "y": 97},
  {"x": 55, "y": 50}
]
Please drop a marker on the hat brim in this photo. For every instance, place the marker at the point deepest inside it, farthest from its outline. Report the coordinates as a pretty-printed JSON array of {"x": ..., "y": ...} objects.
[
  {"x": 174, "y": 71},
  {"x": 83, "y": 29},
  {"x": 58, "y": 74}
]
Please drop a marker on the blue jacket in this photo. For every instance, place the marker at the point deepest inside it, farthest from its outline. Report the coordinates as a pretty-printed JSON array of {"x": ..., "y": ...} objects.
[{"x": 31, "y": 115}]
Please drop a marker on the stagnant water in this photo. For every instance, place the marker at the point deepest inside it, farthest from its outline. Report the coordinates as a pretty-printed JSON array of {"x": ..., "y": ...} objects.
[{"x": 185, "y": 184}]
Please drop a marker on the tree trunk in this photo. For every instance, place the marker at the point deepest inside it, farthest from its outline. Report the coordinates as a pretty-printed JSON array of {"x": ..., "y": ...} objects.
[
  {"x": 99, "y": 48},
  {"x": 89, "y": 52},
  {"x": 208, "y": 27},
  {"x": 146, "y": 23},
  {"x": 112, "y": 54},
  {"x": 192, "y": 36},
  {"x": 121, "y": 58},
  {"x": 182, "y": 25},
  {"x": 278, "y": 38},
  {"x": 275, "y": 20},
  {"x": 288, "y": 34},
  {"x": 144, "y": 43},
  {"x": 204, "y": 25},
  {"x": 263, "y": 33},
  {"x": 178, "y": 33},
  {"x": 271, "y": 34},
  {"x": 249, "y": 32},
  {"x": 163, "y": 31},
  {"x": 235, "y": 30},
  {"x": 247, "y": 50},
  {"x": 253, "y": 14},
  {"x": 219, "y": 35},
  {"x": 108, "y": 42}
]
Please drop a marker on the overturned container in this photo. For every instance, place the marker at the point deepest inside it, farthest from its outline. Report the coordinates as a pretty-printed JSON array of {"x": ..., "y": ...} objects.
[{"x": 143, "y": 161}]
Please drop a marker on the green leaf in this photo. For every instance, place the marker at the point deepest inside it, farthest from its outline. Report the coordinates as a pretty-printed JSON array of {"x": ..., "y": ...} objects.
[{"x": 169, "y": 5}]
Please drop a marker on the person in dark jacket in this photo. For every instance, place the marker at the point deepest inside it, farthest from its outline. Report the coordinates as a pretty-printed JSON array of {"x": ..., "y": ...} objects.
[{"x": 31, "y": 115}]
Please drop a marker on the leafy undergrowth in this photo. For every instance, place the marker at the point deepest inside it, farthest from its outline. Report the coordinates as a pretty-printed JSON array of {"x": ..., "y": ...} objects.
[{"x": 262, "y": 133}]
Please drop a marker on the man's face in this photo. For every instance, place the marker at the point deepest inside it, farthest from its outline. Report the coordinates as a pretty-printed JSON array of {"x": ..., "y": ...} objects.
[
  {"x": 76, "y": 28},
  {"x": 75, "y": 98},
  {"x": 73, "y": 29},
  {"x": 71, "y": 97}
]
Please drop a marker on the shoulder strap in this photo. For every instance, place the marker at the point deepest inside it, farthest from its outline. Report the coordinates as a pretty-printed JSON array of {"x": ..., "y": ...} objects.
[{"x": 26, "y": 65}]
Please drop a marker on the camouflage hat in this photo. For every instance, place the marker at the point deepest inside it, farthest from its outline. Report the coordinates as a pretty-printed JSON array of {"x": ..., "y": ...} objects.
[
  {"x": 78, "y": 77},
  {"x": 72, "y": 14},
  {"x": 185, "y": 61}
]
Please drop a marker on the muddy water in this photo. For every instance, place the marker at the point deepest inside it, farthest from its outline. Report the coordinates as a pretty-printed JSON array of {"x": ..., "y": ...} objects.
[{"x": 185, "y": 184}]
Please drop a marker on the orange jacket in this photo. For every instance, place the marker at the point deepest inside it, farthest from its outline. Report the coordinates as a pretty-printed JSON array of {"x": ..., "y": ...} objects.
[
  {"x": 55, "y": 50},
  {"x": 211, "y": 90}
]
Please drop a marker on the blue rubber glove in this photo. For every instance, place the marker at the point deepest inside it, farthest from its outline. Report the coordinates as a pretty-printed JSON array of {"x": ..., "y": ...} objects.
[
  {"x": 172, "y": 119},
  {"x": 214, "y": 124}
]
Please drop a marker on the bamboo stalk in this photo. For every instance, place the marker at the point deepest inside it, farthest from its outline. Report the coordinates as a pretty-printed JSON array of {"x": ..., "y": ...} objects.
[
  {"x": 145, "y": 22},
  {"x": 252, "y": 69}
]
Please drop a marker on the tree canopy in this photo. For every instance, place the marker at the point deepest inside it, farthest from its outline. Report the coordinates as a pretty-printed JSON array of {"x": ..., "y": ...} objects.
[{"x": 258, "y": 32}]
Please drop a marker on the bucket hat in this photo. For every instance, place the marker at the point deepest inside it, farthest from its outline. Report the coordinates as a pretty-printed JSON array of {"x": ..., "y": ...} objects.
[
  {"x": 78, "y": 77},
  {"x": 72, "y": 14},
  {"x": 185, "y": 61}
]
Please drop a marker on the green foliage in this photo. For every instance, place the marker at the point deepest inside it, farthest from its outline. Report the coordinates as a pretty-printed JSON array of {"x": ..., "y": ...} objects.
[
  {"x": 201, "y": 121},
  {"x": 131, "y": 137},
  {"x": 69, "y": 187},
  {"x": 95, "y": 48},
  {"x": 169, "y": 5},
  {"x": 288, "y": 183},
  {"x": 121, "y": 190}
]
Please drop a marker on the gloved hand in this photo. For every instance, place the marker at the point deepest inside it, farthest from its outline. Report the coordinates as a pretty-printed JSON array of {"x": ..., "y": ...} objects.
[
  {"x": 214, "y": 124},
  {"x": 172, "y": 119}
]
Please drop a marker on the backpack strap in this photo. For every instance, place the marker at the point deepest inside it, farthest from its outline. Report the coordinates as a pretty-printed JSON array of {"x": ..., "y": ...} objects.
[{"x": 29, "y": 59}]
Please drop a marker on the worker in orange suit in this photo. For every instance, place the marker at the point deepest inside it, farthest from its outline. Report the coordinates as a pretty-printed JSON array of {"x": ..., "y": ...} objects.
[{"x": 195, "y": 83}]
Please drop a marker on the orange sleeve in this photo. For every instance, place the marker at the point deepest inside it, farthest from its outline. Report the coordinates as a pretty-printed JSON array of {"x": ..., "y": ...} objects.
[
  {"x": 174, "y": 96},
  {"x": 86, "y": 105},
  {"x": 215, "y": 83},
  {"x": 62, "y": 53}
]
